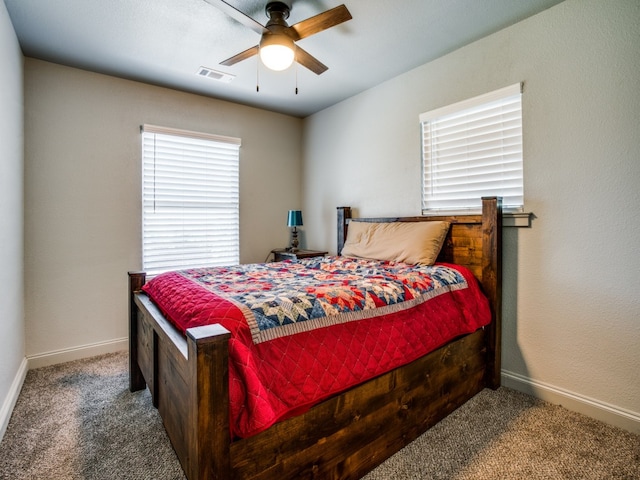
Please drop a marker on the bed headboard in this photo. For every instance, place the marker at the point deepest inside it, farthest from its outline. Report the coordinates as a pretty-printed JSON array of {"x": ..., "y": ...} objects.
[{"x": 474, "y": 241}]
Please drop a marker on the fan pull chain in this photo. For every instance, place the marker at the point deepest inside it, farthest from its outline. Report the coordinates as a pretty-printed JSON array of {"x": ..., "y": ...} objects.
[
  {"x": 258, "y": 76},
  {"x": 296, "y": 67}
]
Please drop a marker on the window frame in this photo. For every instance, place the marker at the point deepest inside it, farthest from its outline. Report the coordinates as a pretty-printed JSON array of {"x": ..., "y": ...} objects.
[
  {"x": 454, "y": 113},
  {"x": 189, "y": 190}
]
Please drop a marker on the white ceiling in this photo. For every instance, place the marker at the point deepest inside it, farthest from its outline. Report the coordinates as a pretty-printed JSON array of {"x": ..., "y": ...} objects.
[{"x": 164, "y": 42}]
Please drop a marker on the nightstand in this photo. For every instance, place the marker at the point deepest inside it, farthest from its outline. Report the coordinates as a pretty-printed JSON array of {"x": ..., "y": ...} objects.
[{"x": 280, "y": 254}]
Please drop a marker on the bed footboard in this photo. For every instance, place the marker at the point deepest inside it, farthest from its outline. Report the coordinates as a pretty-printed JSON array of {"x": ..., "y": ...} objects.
[{"x": 188, "y": 379}]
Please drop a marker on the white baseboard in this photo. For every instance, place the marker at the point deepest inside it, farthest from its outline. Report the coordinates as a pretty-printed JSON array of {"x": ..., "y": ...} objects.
[
  {"x": 605, "y": 412},
  {"x": 12, "y": 397},
  {"x": 76, "y": 353}
]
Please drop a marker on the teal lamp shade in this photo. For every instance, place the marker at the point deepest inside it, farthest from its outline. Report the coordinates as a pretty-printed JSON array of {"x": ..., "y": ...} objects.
[{"x": 294, "y": 219}]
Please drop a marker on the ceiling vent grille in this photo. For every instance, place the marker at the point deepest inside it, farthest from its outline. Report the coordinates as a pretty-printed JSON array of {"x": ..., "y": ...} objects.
[{"x": 215, "y": 75}]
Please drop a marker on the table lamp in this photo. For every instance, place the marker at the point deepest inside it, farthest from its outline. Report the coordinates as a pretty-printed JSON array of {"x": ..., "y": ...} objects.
[{"x": 294, "y": 219}]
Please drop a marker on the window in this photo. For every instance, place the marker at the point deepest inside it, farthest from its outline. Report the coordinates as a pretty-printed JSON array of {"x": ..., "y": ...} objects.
[
  {"x": 473, "y": 149},
  {"x": 190, "y": 199}
]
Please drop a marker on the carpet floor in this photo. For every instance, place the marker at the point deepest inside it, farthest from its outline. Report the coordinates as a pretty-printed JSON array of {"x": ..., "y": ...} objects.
[{"x": 79, "y": 421}]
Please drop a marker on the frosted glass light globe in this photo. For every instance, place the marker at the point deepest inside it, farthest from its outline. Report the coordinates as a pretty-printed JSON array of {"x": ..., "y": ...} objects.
[
  {"x": 277, "y": 52},
  {"x": 276, "y": 57}
]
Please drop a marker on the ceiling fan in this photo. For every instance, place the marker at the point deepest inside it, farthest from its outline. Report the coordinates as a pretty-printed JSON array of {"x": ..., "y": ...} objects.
[{"x": 277, "y": 48}]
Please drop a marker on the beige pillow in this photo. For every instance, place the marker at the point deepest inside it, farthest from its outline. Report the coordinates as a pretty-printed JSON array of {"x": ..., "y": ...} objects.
[{"x": 408, "y": 242}]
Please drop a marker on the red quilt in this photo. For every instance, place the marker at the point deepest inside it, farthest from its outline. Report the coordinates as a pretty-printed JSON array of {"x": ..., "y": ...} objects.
[{"x": 303, "y": 331}]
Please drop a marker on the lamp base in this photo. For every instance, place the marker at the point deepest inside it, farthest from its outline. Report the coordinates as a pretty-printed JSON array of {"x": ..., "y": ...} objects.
[{"x": 294, "y": 240}]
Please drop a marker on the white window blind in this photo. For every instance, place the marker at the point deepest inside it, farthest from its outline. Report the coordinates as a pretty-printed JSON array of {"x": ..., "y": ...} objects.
[
  {"x": 473, "y": 149},
  {"x": 190, "y": 199}
]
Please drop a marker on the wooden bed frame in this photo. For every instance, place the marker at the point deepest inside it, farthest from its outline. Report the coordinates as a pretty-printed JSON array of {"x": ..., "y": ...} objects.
[{"x": 345, "y": 436}]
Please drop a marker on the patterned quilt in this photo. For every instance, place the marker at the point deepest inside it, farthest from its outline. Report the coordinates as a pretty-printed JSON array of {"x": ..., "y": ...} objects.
[
  {"x": 279, "y": 299},
  {"x": 302, "y": 331}
]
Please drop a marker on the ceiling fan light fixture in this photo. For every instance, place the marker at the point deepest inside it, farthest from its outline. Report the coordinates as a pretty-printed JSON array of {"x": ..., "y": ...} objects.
[
  {"x": 277, "y": 52},
  {"x": 277, "y": 48}
]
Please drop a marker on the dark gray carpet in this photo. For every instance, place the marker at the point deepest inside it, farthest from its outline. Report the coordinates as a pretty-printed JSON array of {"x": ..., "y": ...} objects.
[{"x": 79, "y": 421}]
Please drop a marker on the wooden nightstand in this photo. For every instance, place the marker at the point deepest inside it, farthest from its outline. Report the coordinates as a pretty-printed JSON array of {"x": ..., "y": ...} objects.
[{"x": 280, "y": 254}]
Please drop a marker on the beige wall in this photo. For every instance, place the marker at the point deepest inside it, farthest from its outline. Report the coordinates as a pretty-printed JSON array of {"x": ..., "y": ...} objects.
[
  {"x": 82, "y": 191},
  {"x": 12, "y": 365},
  {"x": 571, "y": 301}
]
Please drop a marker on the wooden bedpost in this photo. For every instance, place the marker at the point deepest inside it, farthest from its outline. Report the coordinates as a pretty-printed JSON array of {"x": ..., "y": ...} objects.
[
  {"x": 344, "y": 213},
  {"x": 209, "y": 434},
  {"x": 136, "y": 379},
  {"x": 492, "y": 284}
]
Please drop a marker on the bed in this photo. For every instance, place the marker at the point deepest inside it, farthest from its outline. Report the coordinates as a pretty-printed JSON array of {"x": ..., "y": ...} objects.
[{"x": 343, "y": 435}]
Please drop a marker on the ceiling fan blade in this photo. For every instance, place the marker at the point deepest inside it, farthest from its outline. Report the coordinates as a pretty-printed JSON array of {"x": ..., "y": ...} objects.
[
  {"x": 248, "y": 53},
  {"x": 239, "y": 16},
  {"x": 319, "y": 22},
  {"x": 307, "y": 60}
]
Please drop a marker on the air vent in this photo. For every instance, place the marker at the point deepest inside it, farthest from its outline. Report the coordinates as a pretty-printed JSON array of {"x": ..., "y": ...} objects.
[{"x": 215, "y": 75}]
